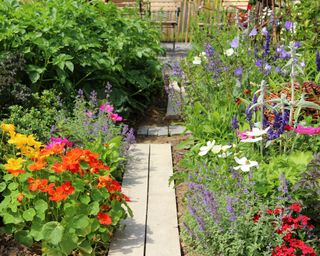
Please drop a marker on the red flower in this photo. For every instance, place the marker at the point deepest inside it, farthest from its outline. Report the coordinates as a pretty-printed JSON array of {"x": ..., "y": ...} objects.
[
  {"x": 104, "y": 218},
  {"x": 256, "y": 217},
  {"x": 37, "y": 184},
  {"x": 296, "y": 207}
]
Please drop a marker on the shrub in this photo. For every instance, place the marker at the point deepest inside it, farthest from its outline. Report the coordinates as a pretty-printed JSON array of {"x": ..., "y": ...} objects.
[{"x": 68, "y": 44}]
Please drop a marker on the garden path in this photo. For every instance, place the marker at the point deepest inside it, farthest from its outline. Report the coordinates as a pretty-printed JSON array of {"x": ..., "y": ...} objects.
[{"x": 153, "y": 230}]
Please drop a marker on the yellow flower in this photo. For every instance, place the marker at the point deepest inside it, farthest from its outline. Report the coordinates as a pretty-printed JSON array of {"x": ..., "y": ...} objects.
[
  {"x": 14, "y": 164},
  {"x": 9, "y": 128},
  {"x": 19, "y": 140}
]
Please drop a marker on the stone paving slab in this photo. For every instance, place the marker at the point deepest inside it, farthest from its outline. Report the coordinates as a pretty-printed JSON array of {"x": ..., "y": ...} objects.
[{"x": 176, "y": 129}]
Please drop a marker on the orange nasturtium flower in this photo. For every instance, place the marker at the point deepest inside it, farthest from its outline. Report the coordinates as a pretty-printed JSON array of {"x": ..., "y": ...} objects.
[
  {"x": 38, "y": 165},
  {"x": 110, "y": 184},
  {"x": 20, "y": 197},
  {"x": 61, "y": 192},
  {"x": 104, "y": 218},
  {"x": 37, "y": 184},
  {"x": 14, "y": 163},
  {"x": 15, "y": 173}
]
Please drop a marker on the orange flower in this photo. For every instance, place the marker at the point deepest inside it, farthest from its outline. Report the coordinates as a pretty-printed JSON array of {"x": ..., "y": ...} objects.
[
  {"x": 38, "y": 165},
  {"x": 15, "y": 173},
  {"x": 20, "y": 197},
  {"x": 58, "y": 167},
  {"x": 37, "y": 184},
  {"x": 104, "y": 218},
  {"x": 105, "y": 207},
  {"x": 110, "y": 184},
  {"x": 61, "y": 192}
]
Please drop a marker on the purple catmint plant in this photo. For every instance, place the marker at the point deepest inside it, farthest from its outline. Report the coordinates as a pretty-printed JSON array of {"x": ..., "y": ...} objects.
[
  {"x": 235, "y": 123},
  {"x": 267, "y": 45},
  {"x": 177, "y": 71},
  {"x": 211, "y": 205},
  {"x": 230, "y": 209},
  {"x": 283, "y": 184},
  {"x": 80, "y": 93},
  {"x": 238, "y": 72},
  {"x": 209, "y": 50},
  {"x": 93, "y": 98},
  {"x": 130, "y": 137}
]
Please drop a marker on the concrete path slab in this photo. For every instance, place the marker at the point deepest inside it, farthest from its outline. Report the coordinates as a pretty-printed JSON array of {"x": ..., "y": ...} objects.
[
  {"x": 131, "y": 240},
  {"x": 162, "y": 233}
]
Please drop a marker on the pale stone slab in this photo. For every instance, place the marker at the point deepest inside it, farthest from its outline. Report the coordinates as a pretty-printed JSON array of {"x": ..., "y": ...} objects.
[
  {"x": 131, "y": 240},
  {"x": 158, "y": 131},
  {"x": 176, "y": 129},
  {"x": 143, "y": 130},
  {"x": 162, "y": 225}
]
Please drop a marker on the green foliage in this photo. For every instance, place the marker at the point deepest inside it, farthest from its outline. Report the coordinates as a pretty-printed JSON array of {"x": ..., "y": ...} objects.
[
  {"x": 292, "y": 166},
  {"x": 70, "y": 44},
  {"x": 39, "y": 118}
]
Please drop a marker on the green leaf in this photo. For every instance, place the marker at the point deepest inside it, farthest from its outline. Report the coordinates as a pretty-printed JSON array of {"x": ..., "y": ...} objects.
[
  {"x": 13, "y": 186},
  {"x": 24, "y": 237},
  {"x": 85, "y": 248},
  {"x": 85, "y": 199},
  {"x": 40, "y": 205},
  {"x": 69, "y": 242},
  {"x": 2, "y": 186},
  {"x": 52, "y": 232},
  {"x": 29, "y": 214},
  {"x": 94, "y": 208},
  {"x": 80, "y": 222},
  {"x": 36, "y": 229},
  {"x": 70, "y": 65}
]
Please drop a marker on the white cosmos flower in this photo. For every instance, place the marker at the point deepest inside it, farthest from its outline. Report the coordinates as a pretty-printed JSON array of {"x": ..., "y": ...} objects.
[
  {"x": 196, "y": 60},
  {"x": 205, "y": 149},
  {"x": 217, "y": 148},
  {"x": 244, "y": 164},
  {"x": 225, "y": 154},
  {"x": 229, "y": 52}
]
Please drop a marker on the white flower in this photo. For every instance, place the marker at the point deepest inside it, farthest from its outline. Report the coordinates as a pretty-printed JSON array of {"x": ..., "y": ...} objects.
[
  {"x": 225, "y": 154},
  {"x": 217, "y": 148},
  {"x": 205, "y": 149},
  {"x": 257, "y": 132},
  {"x": 229, "y": 52},
  {"x": 244, "y": 164},
  {"x": 196, "y": 60},
  {"x": 254, "y": 135}
]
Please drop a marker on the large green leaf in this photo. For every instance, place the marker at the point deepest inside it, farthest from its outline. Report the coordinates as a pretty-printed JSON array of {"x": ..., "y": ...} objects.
[{"x": 52, "y": 232}]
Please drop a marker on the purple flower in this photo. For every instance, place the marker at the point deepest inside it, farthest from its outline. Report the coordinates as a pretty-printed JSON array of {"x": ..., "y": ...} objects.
[
  {"x": 253, "y": 32},
  {"x": 108, "y": 90},
  {"x": 267, "y": 67},
  {"x": 288, "y": 25},
  {"x": 267, "y": 45},
  {"x": 130, "y": 138},
  {"x": 258, "y": 63},
  {"x": 318, "y": 61},
  {"x": 283, "y": 184},
  {"x": 297, "y": 44},
  {"x": 80, "y": 93},
  {"x": 209, "y": 50},
  {"x": 249, "y": 113},
  {"x": 234, "y": 123},
  {"x": 177, "y": 71},
  {"x": 235, "y": 43},
  {"x": 238, "y": 71},
  {"x": 201, "y": 224},
  {"x": 93, "y": 98},
  {"x": 277, "y": 69},
  {"x": 230, "y": 209}
]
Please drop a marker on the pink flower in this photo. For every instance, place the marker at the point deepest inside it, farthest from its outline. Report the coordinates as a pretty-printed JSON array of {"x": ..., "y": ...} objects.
[
  {"x": 116, "y": 118},
  {"x": 243, "y": 135},
  {"x": 304, "y": 130},
  {"x": 55, "y": 141},
  {"x": 107, "y": 108}
]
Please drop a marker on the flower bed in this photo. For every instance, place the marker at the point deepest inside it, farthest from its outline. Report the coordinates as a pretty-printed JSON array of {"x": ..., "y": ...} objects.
[{"x": 253, "y": 171}]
